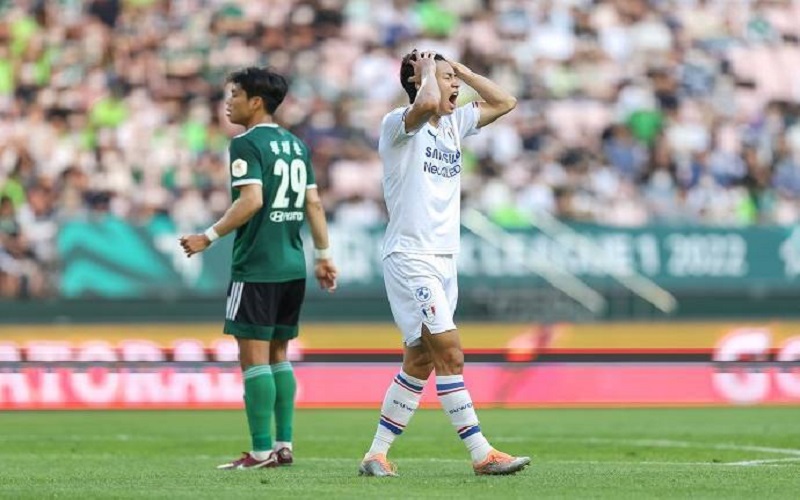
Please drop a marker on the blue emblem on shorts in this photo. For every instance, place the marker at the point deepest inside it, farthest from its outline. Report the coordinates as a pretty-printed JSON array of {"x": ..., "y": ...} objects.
[{"x": 423, "y": 294}]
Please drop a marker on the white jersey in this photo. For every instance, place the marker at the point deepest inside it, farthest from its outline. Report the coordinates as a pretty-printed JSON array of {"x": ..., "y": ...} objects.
[{"x": 422, "y": 181}]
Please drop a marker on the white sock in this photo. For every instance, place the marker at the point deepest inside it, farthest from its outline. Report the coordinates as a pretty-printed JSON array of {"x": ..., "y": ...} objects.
[
  {"x": 402, "y": 399},
  {"x": 282, "y": 444},
  {"x": 457, "y": 405},
  {"x": 261, "y": 455}
]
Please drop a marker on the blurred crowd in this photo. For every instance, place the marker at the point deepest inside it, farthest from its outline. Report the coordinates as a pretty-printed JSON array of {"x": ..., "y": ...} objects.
[{"x": 630, "y": 111}]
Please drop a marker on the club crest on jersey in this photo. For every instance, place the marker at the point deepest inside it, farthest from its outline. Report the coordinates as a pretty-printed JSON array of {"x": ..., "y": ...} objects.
[
  {"x": 448, "y": 132},
  {"x": 428, "y": 312},
  {"x": 238, "y": 168},
  {"x": 423, "y": 294}
]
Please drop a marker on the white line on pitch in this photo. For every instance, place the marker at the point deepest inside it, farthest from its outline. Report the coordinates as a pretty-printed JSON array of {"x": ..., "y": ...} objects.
[
  {"x": 765, "y": 462},
  {"x": 663, "y": 443}
]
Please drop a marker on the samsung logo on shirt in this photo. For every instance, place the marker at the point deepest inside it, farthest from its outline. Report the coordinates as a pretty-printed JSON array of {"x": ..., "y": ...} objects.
[{"x": 444, "y": 156}]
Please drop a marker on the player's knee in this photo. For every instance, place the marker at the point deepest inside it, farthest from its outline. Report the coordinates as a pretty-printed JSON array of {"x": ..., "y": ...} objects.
[
  {"x": 451, "y": 361},
  {"x": 251, "y": 356},
  {"x": 423, "y": 364},
  {"x": 277, "y": 351},
  {"x": 248, "y": 361},
  {"x": 419, "y": 366}
]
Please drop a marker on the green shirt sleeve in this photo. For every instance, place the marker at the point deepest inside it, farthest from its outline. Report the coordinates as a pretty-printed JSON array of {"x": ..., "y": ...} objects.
[
  {"x": 245, "y": 164},
  {"x": 311, "y": 178}
]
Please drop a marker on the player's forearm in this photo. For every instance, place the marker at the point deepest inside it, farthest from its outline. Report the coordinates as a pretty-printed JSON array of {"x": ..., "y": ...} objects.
[
  {"x": 315, "y": 213},
  {"x": 492, "y": 93},
  {"x": 429, "y": 93},
  {"x": 241, "y": 211}
]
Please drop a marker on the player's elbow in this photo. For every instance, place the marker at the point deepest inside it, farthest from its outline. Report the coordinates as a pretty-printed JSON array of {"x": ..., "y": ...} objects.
[
  {"x": 314, "y": 207},
  {"x": 509, "y": 103},
  {"x": 426, "y": 104}
]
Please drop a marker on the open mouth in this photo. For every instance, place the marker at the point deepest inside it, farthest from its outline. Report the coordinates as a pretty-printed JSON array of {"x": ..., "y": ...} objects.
[{"x": 453, "y": 98}]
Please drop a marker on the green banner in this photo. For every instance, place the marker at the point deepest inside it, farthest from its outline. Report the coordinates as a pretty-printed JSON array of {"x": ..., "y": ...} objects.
[
  {"x": 111, "y": 258},
  {"x": 114, "y": 259},
  {"x": 677, "y": 258}
]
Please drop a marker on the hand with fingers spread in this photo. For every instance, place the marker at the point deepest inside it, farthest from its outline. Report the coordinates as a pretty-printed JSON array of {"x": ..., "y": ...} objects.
[
  {"x": 459, "y": 69},
  {"x": 424, "y": 65}
]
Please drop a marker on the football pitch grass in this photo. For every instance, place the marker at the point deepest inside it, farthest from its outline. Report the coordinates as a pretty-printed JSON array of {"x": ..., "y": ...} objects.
[{"x": 577, "y": 453}]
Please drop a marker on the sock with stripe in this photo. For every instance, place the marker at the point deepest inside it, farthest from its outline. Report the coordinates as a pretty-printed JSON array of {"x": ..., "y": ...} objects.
[
  {"x": 402, "y": 399},
  {"x": 259, "y": 401},
  {"x": 457, "y": 405},
  {"x": 285, "y": 389}
]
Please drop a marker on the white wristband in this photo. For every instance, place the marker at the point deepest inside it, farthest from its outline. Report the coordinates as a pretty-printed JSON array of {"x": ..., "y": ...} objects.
[
  {"x": 211, "y": 234},
  {"x": 322, "y": 253}
]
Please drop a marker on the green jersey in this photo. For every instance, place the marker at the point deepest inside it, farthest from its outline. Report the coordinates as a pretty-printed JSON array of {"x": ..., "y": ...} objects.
[{"x": 268, "y": 248}]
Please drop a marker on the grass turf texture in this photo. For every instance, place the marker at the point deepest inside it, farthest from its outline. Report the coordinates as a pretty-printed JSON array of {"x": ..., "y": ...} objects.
[{"x": 577, "y": 453}]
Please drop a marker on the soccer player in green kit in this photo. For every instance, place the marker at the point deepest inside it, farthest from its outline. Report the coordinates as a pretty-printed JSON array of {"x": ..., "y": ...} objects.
[{"x": 273, "y": 191}]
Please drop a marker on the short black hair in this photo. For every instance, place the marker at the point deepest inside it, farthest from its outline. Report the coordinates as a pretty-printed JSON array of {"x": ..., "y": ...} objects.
[
  {"x": 407, "y": 71},
  {"x": 265, "y": 83}
]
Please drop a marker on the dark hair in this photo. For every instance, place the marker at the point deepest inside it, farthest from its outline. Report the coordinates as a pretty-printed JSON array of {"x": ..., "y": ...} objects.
[
  {"x": 407, "y": 71},
  {"x": 265, "y": 83}
]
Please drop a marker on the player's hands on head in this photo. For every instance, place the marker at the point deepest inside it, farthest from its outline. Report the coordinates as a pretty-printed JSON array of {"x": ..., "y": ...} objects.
[
  {"x": 459, "y": 69},
  {"x": 422, "y": 61},
  {"x": 326, "y": 272},
  {"x": 194, "y": 243}
]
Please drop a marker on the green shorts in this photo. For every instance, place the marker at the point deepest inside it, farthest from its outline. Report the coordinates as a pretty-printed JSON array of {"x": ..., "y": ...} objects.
[{"x": 264, "y": 311}]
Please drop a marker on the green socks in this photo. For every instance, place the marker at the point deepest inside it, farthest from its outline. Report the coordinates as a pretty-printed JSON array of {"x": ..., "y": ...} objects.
[
  {"x": 268, "y": 387},
  {"x": 286, "y": 387},
  {"x": 259, "y": 400}
]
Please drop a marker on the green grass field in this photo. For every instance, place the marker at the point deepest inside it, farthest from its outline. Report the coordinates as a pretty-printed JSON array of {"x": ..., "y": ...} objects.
[{"x": 601, "y": 453}]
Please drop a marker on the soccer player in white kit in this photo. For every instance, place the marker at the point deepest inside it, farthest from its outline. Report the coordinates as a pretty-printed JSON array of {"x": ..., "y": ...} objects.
[{"x": 420, "y": 146}]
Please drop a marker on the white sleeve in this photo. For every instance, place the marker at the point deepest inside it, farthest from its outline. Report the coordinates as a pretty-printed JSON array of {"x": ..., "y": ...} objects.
[
  {"x": 467, "y": 117},
  {"x": 393, "y": 128}
]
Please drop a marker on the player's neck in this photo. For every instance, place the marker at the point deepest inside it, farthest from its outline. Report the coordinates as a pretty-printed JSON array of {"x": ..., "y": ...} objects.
[
  {"x": 259, "y": 119},
  {"x": 434, "y": 120}
]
